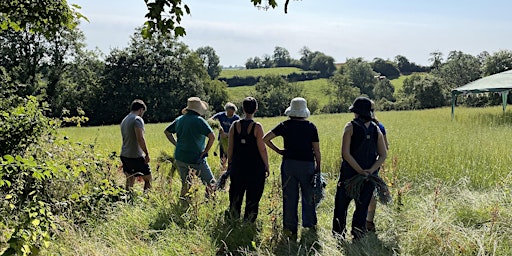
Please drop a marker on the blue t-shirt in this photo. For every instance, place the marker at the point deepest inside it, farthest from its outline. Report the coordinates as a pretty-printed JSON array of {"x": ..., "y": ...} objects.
[
  {"x": 191, "y": 130},
  {"x": 382, "y": 129},
  {"x": 298, "y": 138},
  {"x": 225, "y": 121}
]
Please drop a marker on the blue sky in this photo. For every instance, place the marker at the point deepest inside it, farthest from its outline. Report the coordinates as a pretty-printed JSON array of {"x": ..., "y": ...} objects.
[{"x": 340, "y": 28}]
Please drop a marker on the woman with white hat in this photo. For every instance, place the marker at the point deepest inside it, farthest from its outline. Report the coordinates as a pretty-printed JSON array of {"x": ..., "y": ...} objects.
[
  {"x": 190, "y": 152},
  {"x": 301, "y": 160}
]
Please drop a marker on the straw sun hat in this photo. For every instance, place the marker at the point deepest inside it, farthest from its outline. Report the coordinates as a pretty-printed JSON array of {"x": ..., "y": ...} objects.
[{"x": 197, "y": 105}]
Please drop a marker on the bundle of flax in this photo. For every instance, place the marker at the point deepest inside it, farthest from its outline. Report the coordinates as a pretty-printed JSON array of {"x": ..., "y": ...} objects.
[{"x": 354, "y": 185}]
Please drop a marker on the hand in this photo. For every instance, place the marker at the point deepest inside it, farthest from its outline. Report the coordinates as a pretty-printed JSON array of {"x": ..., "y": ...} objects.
[
  {"x": 146, "y": 159},
  {"x": 280, "y": 151},
  {"x": 267, "y": 172},
  {"x": 223, "y": 135},
  {"x": 366, "y": 172},
  {"x": 203, "y": 154},
  {"x": 317, "y": 169}
]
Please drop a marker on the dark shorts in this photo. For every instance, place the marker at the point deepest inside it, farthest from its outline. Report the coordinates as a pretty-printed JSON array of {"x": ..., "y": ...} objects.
[{"x": 135, "y": 166}]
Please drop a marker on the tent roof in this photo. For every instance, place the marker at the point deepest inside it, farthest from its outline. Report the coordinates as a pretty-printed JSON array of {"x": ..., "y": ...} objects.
[{"x": 494, "y": 83}]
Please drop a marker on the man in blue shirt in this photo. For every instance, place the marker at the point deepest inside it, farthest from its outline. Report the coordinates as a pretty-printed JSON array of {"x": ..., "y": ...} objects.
[{"x": 225, "y": 119}]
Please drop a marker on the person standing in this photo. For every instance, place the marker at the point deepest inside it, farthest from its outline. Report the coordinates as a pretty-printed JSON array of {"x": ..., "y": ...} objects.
[
  {"x": 190, "y": 151},
  {"x": 363, "y": 152},
  {"x": 370, "y": 225},
  {"x": 225, "y": 119},
  {"x": 301, "y": 160},
  {"x": 247, "y": 163},
  {"x": 134, "y": 152}
]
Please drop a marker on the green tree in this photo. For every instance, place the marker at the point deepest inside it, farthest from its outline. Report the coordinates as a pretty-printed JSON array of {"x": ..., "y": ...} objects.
[
  {"x": 42, "y": 16},
  {"x": 384, "y": 90},
  {"x": 498, "y": 62},
  {"x": 341, "y": 94},
  {"x": 360, "y": 74},
  {"x": 281, "y": 57},
  {"x": 322, "y": 63},
  {"x": 459, "y": 69},
  {"x": 403, "y": 64},
  {"x": 436, "y": 58},
  {"x": 274, "y": 94},
  {"x": 161, "y": 71},
  {"x": 385, "y": 68},
  {"x": 421, "y": 91},
  {"x": 211, "y": 61}
]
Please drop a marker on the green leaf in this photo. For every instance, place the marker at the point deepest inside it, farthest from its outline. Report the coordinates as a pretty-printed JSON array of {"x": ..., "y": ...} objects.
[
  {"x": 36, "y": 222},
  {"x": 9, "y": 196}
]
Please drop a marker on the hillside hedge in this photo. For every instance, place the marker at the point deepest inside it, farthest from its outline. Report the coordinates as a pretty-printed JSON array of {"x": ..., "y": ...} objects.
[{"x": 252, "y": 80}]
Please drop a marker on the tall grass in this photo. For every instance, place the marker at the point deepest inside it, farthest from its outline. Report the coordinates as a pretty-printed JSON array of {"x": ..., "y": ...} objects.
[{"x": 451, "y": 182}]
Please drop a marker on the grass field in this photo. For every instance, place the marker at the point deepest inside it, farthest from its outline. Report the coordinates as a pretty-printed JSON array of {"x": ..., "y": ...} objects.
[
  {"x": 313, "y": 89},
  {"x": 451, "y": 182},
  {"x": 228, "y": 73}
]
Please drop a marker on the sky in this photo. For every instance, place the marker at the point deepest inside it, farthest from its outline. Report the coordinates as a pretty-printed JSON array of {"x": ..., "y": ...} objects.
[{"x": 339, "y": 28}]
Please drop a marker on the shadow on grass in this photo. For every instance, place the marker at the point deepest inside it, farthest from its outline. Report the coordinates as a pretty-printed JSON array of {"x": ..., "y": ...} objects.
[
  {"x": 308, "y": 244},
  {"x": 234, "y": 237},
  {"x": 173, "y": 214},
  {"x": 369, "y": 245}
]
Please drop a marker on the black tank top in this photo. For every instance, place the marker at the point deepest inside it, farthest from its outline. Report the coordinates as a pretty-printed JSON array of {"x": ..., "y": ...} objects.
[
  {"x": 363, "y": 147},
  {"x": 246, "y": 156}
]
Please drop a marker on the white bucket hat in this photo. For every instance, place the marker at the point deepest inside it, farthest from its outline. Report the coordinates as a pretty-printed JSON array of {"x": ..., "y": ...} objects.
[
  {"x": 197, "y": 105},
  {"x": 298, "y": 108}
]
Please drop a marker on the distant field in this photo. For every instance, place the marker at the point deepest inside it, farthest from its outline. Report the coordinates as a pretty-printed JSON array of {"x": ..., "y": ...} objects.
[
  {"x": 398, "y": 83},
  {"x": 313, "y": 89},
  {"x": 229, "y": 73}
]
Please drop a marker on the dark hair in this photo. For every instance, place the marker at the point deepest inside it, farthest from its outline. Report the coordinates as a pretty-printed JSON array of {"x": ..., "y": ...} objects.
[
  {"x": 250, "y": 105},
  {"x": 137, "y": 104}
]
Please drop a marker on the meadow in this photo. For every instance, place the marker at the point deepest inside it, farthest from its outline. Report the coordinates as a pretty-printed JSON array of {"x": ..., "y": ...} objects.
[
  {"x": 451, "y": 183},
  {"x": 313, "y": 89},
  {"x": 229, "y": 73}
]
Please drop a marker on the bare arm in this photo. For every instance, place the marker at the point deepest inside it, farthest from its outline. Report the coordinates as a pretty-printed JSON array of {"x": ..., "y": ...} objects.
[
  {"x": 231, "y": 142},
  {"x": 211, "y": 139},
  {"x": 268, "y": 140},
  {"x": 318, "y": 157},
  {"x": 258, "y": 132},
  {"x": 139, "y": 133},
  {"x": 170, "y": 137},
  {"x": 382, "y": 151},
  {"x": 345, "y": 150}
]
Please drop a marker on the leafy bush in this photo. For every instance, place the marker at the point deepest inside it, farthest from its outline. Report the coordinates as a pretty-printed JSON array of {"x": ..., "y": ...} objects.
[{"x": 44, "y": 180}]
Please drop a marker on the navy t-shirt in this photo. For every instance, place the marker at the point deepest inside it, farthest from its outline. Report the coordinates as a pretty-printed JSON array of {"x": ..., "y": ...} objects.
[
  {"x": 225, "y": 121},
  {"x": 298, "y": 136}
]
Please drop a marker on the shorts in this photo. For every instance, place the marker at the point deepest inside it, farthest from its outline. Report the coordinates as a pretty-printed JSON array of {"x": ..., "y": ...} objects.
[
  {"x": 135, "y": 166},
  {"x": 202, "y": 170}
]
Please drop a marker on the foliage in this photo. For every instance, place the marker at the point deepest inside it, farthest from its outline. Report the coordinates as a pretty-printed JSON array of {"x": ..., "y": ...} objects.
[
  {"x": 210, "y": 60},
  {"x": 360, "y": 74},
  {"x": 281, "y": 57},
  {"x": 498, "y": 62},
  {"x": 460, "y": 68},
  {"x": 217, "y": 94},
  {"x": 424, "y": 91},
  {"x": 43, "y": 16},
  {"x": 37, "y": 62},
  {"x": 22, "y": 126},
  {"x": 385, "y": 68},
  {"x": 229, "y": 73},
  {"x": 274, "y": 95},
  {"x": 384, "y": 89},
  {"x": 160, "y": 71},
  {"x": 341, "y": 94}
]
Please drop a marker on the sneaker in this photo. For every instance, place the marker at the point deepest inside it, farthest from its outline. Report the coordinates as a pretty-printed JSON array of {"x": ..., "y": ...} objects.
[{"x": 370, "y": 226}]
